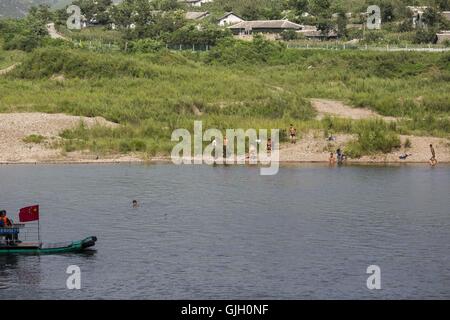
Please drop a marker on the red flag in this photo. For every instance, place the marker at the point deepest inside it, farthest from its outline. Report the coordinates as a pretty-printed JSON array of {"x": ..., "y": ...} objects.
[{"x": 29, "y": 214}]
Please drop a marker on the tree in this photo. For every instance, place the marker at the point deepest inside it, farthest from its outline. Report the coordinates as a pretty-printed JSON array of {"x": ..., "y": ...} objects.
[
  {"x": 190, "y": 34},
  {"x": 324, "y": 26},
  {"x": 166, "y": 5},
  {"x": 442, "y": 5},
  {"x": 25, "y": 34},
  {"x": 299, "y": 6},
  {"x": 342, "y": 24},
  {"x": 98, "y": 10},
  {"x": 251, "y": 11},
  {"x": 431, "y": 17},
  {"x": 387, "y": 11},
  {"x": 273, "y": 11},
  {"x": 320, "y": 8},
  {"x": 41, "y": 13}
]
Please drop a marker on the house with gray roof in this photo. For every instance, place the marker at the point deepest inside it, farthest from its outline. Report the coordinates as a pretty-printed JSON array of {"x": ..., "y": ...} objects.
[
  {"x": 263, "y": 26},
  {"x": 196, "y": 15}
]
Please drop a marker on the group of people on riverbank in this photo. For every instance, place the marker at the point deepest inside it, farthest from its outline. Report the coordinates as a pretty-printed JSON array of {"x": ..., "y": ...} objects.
[{"x": 340, "y": 157}]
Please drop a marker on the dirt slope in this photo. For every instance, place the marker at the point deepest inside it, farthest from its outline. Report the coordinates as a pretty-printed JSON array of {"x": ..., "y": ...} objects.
[{"x": 14, "y": 127}]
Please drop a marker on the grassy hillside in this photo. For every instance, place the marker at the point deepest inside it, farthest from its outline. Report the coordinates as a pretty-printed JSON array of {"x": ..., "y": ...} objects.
[{"x": 236, "y": 85}]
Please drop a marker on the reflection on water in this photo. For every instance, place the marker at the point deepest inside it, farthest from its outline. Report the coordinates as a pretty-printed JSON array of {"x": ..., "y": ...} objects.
[
  {"x": 15, "y": 270},
  {"x": 227, "y": 232}
]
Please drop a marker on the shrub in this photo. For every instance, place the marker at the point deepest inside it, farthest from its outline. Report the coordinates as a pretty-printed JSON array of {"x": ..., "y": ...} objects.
[
  {"x": 425, "y": 36},
  {"x": 81, "y": 64},
  {"x": 289, "y": 35},
  {"x": 408, "y": 143},
  {"x": 26, "y": 34},
  {"x": 145, "y": 46},
  {"x": 372, "y": 142},
  {"x": 34, "y": 139},
  {"x": 230, "y": 51}
]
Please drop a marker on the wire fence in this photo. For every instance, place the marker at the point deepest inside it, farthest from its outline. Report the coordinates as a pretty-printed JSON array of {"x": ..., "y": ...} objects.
[
  {"x": 191, "y": 47},
  {"x": 100, "y": 46},
  {"x": 337, "y": 46}
]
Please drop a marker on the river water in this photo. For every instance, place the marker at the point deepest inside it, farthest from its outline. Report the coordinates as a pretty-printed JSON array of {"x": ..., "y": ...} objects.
[{"x": 206, "y": 232}]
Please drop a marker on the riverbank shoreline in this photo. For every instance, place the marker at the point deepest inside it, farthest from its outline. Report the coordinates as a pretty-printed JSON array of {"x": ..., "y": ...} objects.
[
  {"x": 35, "y": 138},
  {"x": 162, "y": 160}
]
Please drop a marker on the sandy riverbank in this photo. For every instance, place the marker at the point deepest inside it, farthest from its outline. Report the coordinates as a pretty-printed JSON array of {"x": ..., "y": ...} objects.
[{"x": 311, "y": 146}]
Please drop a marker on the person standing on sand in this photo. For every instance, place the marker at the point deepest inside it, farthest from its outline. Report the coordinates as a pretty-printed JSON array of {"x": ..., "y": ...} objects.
[
  {"x": 252, "y": 152},
  {"x": 214, "y": 144},
  {"x": 293, "y": 134},
  {"x": 269, "y": 145},
  {"x": 225, "y": 144},
  {"x": 433, "y": 160}
]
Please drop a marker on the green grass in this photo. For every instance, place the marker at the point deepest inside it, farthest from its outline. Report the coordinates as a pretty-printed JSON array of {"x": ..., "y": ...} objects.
[
  {"x": 240, "y": 86},
  {"x": 34, "y": 139},
  {"x": 91, "y": 34},
  {"x": 8, "y": 58}
]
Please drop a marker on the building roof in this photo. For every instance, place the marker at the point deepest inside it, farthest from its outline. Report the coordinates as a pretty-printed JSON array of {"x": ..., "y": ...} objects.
[
  {"x": 266, "y": 24},
  {"x": 417, "y": 8},
  {"x": 196, "y": 15},
  {"x": 229, "y": 14}
]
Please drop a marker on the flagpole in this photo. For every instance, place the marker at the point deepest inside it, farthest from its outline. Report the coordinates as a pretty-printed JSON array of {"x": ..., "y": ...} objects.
[{"x": 39, "y": 231}]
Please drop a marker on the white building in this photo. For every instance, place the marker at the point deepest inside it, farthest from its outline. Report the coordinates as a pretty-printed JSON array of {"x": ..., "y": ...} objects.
[
  {"x": 229, "y": 19},
  {"x": 197, "y": 3}
]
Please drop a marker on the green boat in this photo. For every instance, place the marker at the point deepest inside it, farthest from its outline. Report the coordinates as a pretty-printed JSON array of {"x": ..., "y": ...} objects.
[{"x": 11, "y": 245}]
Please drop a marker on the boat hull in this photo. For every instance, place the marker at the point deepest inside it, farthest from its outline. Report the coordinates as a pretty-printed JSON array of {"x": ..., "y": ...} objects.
[{"x": 75, "y": 246}]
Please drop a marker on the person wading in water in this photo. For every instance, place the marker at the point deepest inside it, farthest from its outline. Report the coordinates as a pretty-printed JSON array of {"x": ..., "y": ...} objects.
[{"x": 332, "y": 159}]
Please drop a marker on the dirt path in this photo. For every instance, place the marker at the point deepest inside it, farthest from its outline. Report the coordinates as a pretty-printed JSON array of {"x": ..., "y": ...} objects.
[
  {"x": 8, "y": 69},
  {"x": 339, "y": 109},
  {"x": 53, "y": 33},
  {"x": 14, "y": 127}
]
